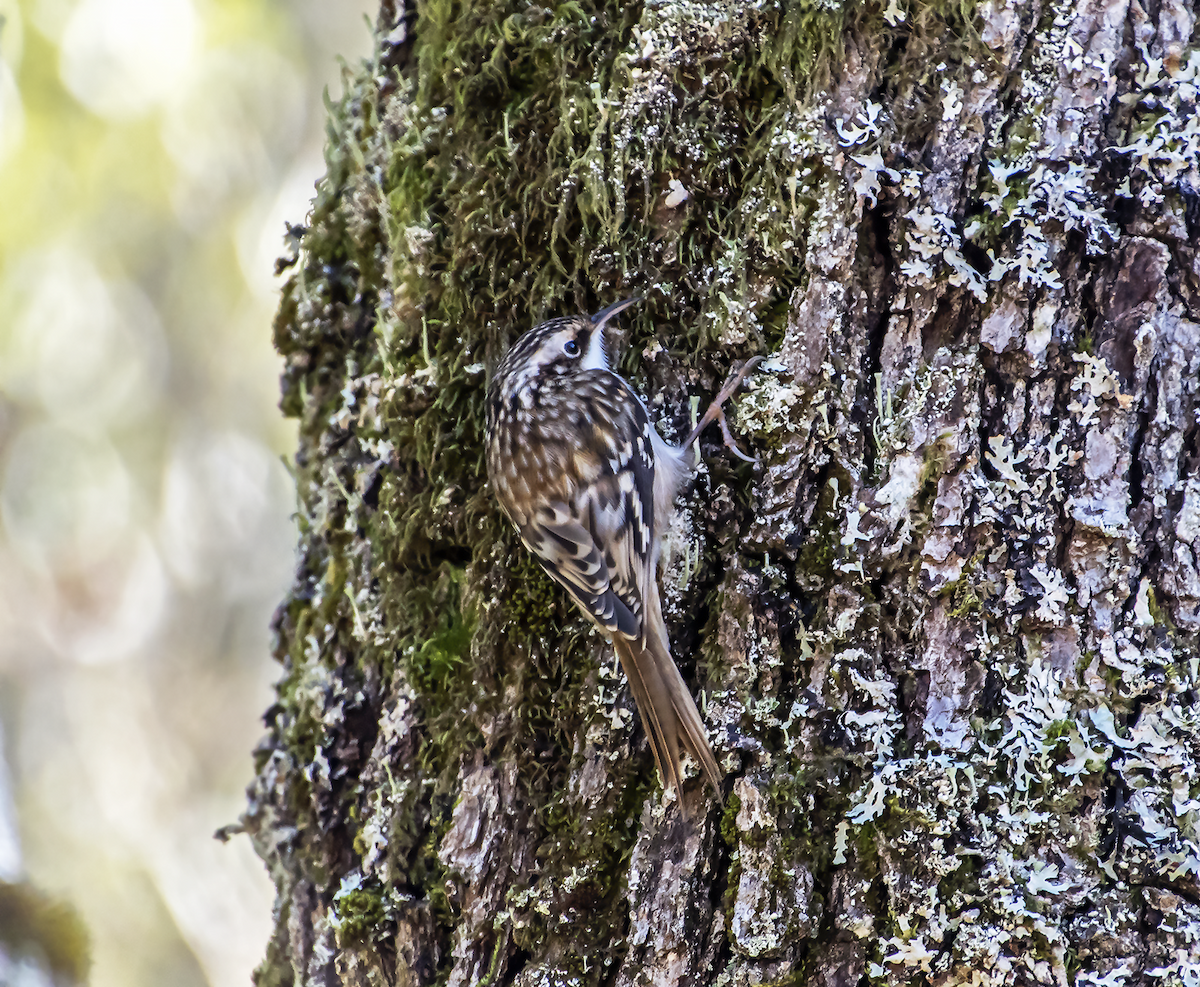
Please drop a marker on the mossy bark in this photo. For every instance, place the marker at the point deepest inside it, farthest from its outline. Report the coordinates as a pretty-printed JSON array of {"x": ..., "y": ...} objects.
[{"x": 945, "y": 632}]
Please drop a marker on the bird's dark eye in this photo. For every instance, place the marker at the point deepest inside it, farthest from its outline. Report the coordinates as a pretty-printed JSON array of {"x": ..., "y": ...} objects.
[{"x": 571, "y": 348}]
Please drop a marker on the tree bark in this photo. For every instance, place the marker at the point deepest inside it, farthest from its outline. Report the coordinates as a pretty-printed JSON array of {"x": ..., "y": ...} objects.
[{"x": 945, "y": 633}]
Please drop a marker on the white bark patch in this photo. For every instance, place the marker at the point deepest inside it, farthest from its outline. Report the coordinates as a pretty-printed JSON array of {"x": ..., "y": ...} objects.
[
  {"x": 1102, "y": 455},
  {"x": 661, "y": 902},
  {"x": 1041, "y": 331},
  {"x": 772, "y": 903},
  {"x": 954, "y": 680},
  {"x": 901, "y": 487},
  {"x": 817, "y": 310},
  {"x": 768, "y": 408},
  {"x": 1001, "y": 22},
  {"x": 480, "y": 851},
  {"x": 466, "y": 845},
  {"x": 396, "y": 727},
  {"x": 1187, "y": 523},
  {"x": 1003, "y": 326},
  {"x": 941, "y": 565}
]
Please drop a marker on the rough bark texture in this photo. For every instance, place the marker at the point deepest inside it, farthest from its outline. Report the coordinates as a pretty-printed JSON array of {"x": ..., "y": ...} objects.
[{"x": 946, "y": 631}]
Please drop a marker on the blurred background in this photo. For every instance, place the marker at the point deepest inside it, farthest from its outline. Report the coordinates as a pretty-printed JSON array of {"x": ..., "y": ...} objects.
[{"x": 150, "y": 153}]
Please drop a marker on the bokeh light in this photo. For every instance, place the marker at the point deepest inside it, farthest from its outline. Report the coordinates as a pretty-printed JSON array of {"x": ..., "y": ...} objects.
[{"x": 150, "y": 154}]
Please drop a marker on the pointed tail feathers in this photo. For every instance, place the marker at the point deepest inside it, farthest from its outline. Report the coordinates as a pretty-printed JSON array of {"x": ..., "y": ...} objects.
[{"x": 668, "y": 711}]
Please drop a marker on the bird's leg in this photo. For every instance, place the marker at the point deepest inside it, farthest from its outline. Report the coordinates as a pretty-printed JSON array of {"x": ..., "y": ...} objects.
[{"x": 716, "y": 413}]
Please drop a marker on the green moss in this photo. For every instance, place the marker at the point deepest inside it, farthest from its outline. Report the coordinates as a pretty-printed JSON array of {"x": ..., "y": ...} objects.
[
  {"x": 583, "y": 859},
  {"x": 360, "y": 913},
  {"x": 808, "y": 42},
  {"x": 960, "y": 887},
  {"x": 536, "y": 601},
  {"x": 822, "y": 547},
  {"x": 968, "y": 594},
  {"x": 1160, "y": 616},
  {"x": 937, "y": 42},
  {"x": 438, "y": 659},
  {"x": 810, "y": 800},
  {"x": 966, "y": 602},
  {"x": 729, "y": 831}
]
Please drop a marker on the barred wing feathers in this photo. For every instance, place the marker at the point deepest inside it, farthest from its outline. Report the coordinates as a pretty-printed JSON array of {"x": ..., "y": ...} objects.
[
  {"x": 597, "y": 537},
  {"x": 600, "y": 543}
]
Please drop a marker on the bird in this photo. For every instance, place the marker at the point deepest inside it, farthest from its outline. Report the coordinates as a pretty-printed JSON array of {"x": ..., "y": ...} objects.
[{"x": 590, "y": 485}]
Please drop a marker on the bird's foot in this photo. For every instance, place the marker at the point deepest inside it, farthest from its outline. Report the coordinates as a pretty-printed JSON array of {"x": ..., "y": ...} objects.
[{"x": 716, "y": 412}]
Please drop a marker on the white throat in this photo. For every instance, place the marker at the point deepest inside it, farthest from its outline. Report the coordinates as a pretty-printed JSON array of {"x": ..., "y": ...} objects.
[{"x": 595, "y": 358}]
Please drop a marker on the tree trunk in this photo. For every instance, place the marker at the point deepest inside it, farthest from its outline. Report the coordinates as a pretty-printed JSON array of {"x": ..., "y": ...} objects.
[{"x": 945, "y": 634}]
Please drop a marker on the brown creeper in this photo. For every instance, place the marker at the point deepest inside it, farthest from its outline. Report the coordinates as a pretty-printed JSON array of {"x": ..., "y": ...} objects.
[{"x": 590, "y": 486}]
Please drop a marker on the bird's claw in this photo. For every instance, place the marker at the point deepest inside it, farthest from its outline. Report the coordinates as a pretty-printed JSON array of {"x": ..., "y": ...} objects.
[
  {"x": 716, "y": 412},
  {"x": 730, "y": 444}
]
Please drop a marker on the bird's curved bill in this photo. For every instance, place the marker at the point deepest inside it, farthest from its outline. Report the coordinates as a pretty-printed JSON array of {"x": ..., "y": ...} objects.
[{"x": 605, "y": 314}]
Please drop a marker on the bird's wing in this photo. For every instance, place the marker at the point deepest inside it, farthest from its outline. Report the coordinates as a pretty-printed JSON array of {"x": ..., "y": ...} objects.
[{"x": 598, "y": 543}]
